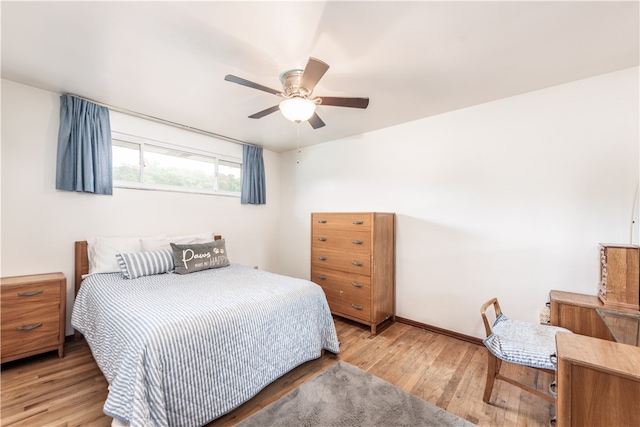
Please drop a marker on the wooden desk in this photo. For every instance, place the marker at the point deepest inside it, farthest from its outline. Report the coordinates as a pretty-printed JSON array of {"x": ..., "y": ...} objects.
[
  {"x": 598, "y": 378},
  {"x": 598, "y": 382}
]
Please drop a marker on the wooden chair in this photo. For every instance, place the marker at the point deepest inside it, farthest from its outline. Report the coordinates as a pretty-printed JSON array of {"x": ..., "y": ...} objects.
[{"x": 517, "y": 342}]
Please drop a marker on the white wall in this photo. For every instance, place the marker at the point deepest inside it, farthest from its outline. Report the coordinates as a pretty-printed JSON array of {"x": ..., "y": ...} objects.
[
  {"x": 507, "y": 199},
  {"x": 40, "y": 223}
]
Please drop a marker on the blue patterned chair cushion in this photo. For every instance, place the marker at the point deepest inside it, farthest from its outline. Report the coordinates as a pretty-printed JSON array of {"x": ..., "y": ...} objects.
[{"x": 524, "y": 343}]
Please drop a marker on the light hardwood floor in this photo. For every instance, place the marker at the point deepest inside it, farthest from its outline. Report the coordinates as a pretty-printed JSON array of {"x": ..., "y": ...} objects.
[{"x": 450, "y": 373}]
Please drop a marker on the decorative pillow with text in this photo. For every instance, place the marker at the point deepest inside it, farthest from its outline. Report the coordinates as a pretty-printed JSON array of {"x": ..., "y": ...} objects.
[{"x": 199, "y": 256}]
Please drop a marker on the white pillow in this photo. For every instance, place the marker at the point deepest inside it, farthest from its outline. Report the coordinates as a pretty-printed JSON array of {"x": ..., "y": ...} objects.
[
  {"x": 192, "y": 238},
  {"x": 102, "y": 252},
  {"x": 148, "y": 244},
  {"x": 156, "y": 244}
]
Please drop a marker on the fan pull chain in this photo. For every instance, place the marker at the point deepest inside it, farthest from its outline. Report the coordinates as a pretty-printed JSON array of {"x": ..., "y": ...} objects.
[{"x": 298, "y": 139}]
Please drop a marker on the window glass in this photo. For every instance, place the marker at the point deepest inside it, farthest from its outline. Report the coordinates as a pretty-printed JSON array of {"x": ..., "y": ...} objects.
[
  {"x": 126, "y": 161},
  {"x": 229, "y": 176},
  {"x": 172, "y": 167},
  {"x": 150, "y": 165}
]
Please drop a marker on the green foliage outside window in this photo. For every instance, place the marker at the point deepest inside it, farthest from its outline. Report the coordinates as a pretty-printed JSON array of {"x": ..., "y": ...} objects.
[{"x": 176, "y": 168}]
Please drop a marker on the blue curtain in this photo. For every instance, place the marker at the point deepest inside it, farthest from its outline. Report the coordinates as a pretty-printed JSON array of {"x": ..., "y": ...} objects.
[
  {"x": 84, "y": 147},
  {"x": 253, "y": 184}
]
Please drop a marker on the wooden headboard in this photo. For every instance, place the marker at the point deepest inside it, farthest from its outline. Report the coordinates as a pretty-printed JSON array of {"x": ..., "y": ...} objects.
[
  {"x": 82, "y": 264},
  {"x": 82, "y": 261},
  {"x": 81, "y": 268}
]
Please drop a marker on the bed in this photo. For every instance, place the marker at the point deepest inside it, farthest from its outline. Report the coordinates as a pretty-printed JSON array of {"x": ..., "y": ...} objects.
[{"x": 184, "y": 349}]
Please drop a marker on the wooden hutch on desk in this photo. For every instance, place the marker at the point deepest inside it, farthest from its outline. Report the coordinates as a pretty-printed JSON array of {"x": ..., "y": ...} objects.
[{"x": 598, "y": 373}]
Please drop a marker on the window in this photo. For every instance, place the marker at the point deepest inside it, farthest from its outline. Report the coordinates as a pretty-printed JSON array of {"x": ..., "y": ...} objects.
[{"x": 139, "y": 163}]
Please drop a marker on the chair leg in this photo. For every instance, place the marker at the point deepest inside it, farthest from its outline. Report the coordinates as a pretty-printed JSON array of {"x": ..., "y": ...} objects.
[{"x": 493, "y": 367}]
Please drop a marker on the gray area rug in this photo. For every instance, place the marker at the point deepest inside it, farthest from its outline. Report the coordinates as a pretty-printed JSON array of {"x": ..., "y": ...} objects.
[{"x": 344, "y": 395}]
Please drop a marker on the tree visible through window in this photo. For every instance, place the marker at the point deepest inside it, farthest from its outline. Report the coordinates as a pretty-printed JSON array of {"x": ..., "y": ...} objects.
[{"x": 229, "y": 176}]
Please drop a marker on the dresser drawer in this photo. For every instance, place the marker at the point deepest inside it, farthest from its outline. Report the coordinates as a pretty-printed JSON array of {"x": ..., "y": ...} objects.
[
  {"x": 358, "y": 263},
  {"x": 352, "y": 284},
  {"x": 342, "y": 221},
  {"x": 347, "y": 305},
  {"x": 335, "y": 240}
]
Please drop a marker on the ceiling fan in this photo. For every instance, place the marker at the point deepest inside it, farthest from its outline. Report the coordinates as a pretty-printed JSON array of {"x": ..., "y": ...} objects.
[{"x": 298, "y": 105}]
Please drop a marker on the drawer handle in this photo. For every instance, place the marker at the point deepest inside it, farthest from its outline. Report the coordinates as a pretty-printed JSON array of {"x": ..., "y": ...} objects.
[
  {"x": 358, "y": 222},
  {"x": 357, "y": 307},
  {"x": 30, "y": 293},
  {"x": 357, "y": 242},
  {"x": 322, "y": 239},
  {"x": 29, "y": 327},
  {"x": 322, "y": 221},
  {"x": 553, "y": 389},
  {"x": 321, "y": 277},
  {"x": 357, "y": 285},
  {"x": 356, "y": 263},
  {"x": 322, "y": 258}
]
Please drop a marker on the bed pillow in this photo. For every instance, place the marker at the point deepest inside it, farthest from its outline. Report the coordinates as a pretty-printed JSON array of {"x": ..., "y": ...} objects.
[
  {"x": 220, "y": 254},
  {"x": 102, "y": 251},
  {"x": 155, "y": 244},
  {"x": 199, "y": 256},
  {"x": 148, "y": 244},
  {"x": 138, "y": 264}
]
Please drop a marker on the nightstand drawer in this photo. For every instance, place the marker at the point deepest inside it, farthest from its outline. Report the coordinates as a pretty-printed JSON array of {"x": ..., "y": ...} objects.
[
  {"x": 31, "y": 313},
  {"x": 16, "y": 295},
  {"x": 30, "y": 331}
]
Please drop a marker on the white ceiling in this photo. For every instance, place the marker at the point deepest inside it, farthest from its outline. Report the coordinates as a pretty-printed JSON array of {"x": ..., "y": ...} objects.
[{"x": 412, "y": 59}]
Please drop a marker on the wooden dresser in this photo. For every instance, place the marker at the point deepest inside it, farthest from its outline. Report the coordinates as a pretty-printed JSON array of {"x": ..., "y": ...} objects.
[
  {"x": 33, "y": 315},
  {"x": 353, "y": 259}
]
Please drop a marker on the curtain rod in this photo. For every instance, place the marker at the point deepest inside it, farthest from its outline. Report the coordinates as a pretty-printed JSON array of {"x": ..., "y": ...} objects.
[{"x": 166, "y": 122}]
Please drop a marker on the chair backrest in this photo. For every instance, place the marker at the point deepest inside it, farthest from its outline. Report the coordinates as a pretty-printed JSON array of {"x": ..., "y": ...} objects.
[{"x": 496, "y": 310}]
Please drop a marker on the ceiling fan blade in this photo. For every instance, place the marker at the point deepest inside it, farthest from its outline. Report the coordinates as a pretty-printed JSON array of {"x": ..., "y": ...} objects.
[
  {"x": 266, "y": 112},
  {"x": 344, "y": 102},
  {"x": 312, "y": 73},
  {"x": 315, "y": 121},
  {"x": 247, "y": 83}
]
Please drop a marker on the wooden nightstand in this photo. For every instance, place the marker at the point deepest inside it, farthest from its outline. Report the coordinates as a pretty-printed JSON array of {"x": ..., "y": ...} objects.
[{"x": 33, "y": 315}]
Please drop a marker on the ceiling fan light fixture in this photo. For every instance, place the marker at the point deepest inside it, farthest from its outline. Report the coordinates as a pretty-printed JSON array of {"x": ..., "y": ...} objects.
[{"x": 297, "y": 109}]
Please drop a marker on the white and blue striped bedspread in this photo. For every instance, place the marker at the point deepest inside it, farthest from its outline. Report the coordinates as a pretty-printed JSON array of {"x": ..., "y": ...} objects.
[{"x": 182, "y": 350}]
